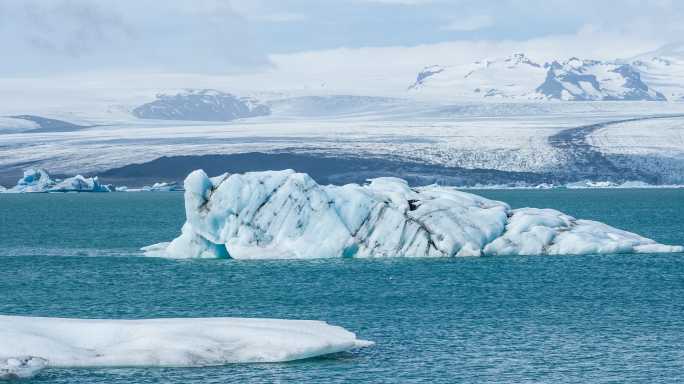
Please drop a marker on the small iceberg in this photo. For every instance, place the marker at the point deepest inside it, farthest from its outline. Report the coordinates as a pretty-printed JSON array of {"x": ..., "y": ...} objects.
[
  {"x": 156, "y": 187},
  {"x": 284, "y": 214},
  {"x": 190, "y": 342},
  {"x": 38, "y": 180},
  {"x": 23, "y": 367}
]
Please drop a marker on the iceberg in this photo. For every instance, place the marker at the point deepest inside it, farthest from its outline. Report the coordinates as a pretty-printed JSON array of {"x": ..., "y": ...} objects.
[
  {"x": 156, "y": 187},
  {"x": 38, "y": 180},
  {"x": 161, "y": 187},
  {"x": 287, "y": 215},
  {"x": 22, "y": 367},
  {"x": 172, "y": 342},
  {"x": 34, "y": 180}
]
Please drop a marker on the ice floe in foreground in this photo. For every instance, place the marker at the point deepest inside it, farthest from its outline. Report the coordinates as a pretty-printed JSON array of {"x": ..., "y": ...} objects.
[
  {"x": 38, "y": 180},
  {"x": 190, "y": 342},
  {"x": 283, "y": 214}
]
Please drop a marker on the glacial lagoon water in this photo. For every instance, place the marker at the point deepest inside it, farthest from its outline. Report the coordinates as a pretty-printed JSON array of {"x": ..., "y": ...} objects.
[{"x": 574, "y": 319}]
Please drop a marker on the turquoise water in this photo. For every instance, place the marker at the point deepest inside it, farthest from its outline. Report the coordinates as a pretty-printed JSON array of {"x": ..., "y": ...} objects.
[{"x": 574, "y": 319}]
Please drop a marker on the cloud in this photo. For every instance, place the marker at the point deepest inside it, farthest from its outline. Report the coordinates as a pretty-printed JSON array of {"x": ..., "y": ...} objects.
[
  {"x": 264, "y": 11},
  {"x": 80, "y": 35},
  {"x": 280, "y": 17},
  {"x": 228, "y": 36},
  {"x": 399, "y": 2},
  {"x": 470, "y": 23},
  {"x": 70, "y": 28}
]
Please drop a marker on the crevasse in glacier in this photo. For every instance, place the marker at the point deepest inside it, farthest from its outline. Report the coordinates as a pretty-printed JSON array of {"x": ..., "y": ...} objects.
[{"x": 284, "y": 214}]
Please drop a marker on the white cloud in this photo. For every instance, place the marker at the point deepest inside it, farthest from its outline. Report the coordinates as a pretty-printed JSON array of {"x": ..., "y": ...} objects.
[
  {"x": 279, "y": 17},
  {"x": 470, "y": 23},
  {"x": 399, "y": 2},
  {"x": 79, "y": 35},
  {"x": 264, "y": 11}
]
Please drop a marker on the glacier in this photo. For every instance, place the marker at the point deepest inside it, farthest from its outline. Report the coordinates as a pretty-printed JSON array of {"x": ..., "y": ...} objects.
[
  {"x": 38, "y": 180},
  {"x": 287, "y": 215},
  {"x": 167, "y": 342}
]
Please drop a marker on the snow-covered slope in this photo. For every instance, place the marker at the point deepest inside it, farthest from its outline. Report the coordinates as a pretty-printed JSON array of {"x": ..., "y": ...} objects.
[
  {"x": 283, "y": 214},
  {"x": 513, "y": 77},
  {"x": 192, "y": 342},
  {"x": 663, "y": 70},
  {"x": 201, "y": 105},
  {"x": 519, "y": 77}
]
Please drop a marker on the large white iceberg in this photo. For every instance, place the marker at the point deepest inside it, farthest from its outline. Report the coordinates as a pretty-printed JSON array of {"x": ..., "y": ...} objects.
[
  {"x": 169, "y": 342},
  {"x": 283, "y": 214},
  {"x": 37, "y": 180}
]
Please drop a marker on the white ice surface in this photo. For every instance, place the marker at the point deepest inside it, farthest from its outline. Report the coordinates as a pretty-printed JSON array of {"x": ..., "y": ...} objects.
[
  {"x": 189, "y": 342},
  {"x": 283, "y": 214},
  {"x": 664, "y": 137},
  {"x": 655, "y": 147},
  {"x": 511, "y": 137},
  {"x": 514, "y": 77},
  {"x": 20, "y": 367}
]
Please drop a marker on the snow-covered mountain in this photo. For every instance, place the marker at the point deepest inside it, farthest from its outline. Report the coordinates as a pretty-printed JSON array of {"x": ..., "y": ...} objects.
[
  {"x": 519, "y": 77},
  {"x": 577, "y": 79},
  {"x": 201, "y": 105},
  {"x": 510, "y": 78},
  {"x": 663, "y": 69}
]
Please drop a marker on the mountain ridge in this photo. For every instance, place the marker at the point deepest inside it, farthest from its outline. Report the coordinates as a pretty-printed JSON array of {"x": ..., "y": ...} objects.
[{"x": 518, "y": 77}]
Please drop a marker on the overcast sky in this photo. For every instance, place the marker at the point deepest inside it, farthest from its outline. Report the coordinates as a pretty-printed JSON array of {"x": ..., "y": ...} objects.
[{"x": 236, "y": 36}]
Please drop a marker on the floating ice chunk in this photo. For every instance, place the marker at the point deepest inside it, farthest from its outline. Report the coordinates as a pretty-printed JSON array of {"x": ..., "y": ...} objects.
[
  {"x": 532, "y": 231},
  {"x": 79, "y": 183},
  {"x": 37, "y": 180},
  {"x": 529, "y": 231},
  {"x": 187, "y": 243},
  {"x": 589, "y": 237},
  {"x": 283, "y": 214},
  {"x": 161, "y": 187},
  {"x": 170, "y": 342},
  {"x": 23, "y": 367},
  {"x": 156, "y": 187},
  {"x": 33, "y": 180}
]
